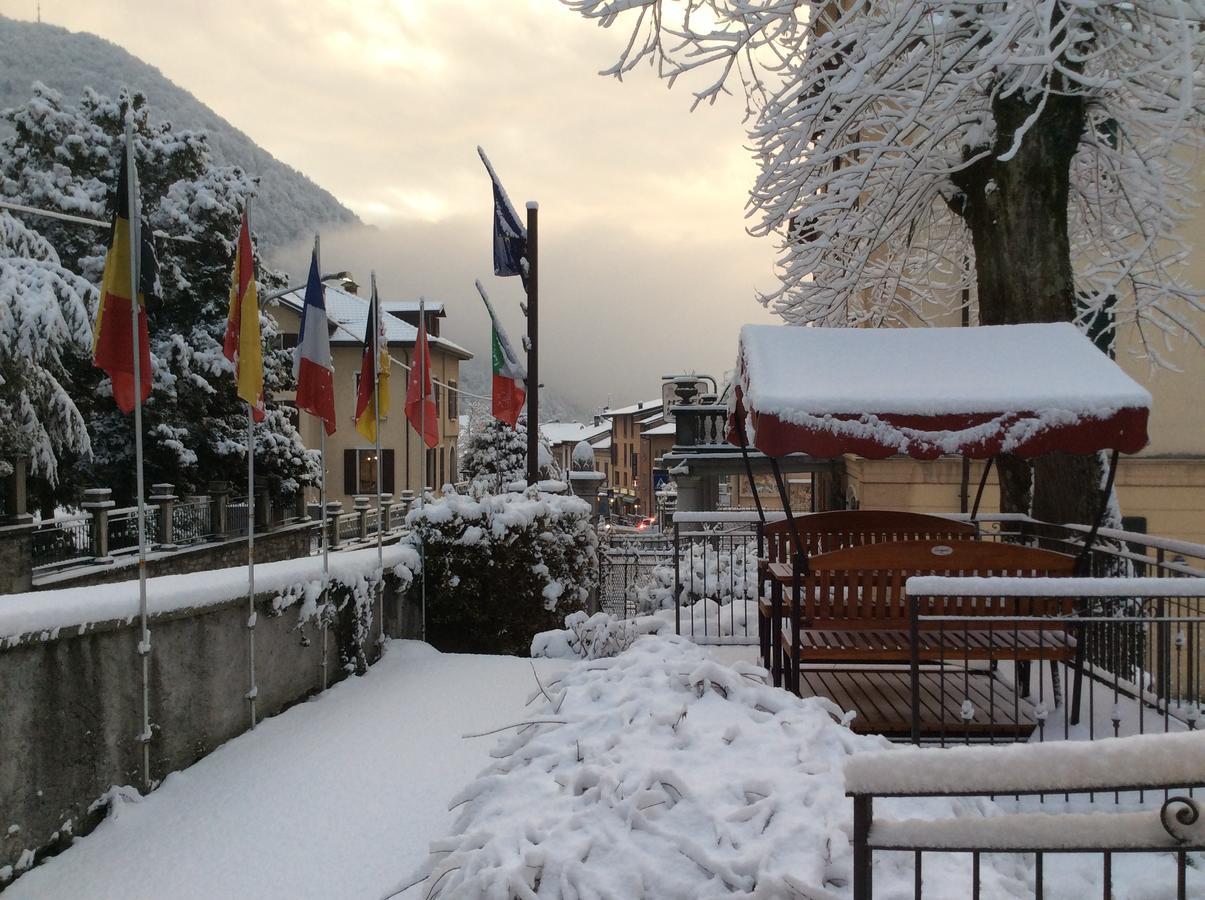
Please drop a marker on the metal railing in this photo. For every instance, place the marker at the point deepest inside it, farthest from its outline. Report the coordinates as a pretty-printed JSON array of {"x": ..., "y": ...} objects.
[
  {"x": 1081, "y": 659},
  {"x": 236, "y": 516},
  {"x": 63, "y": 540},
  {"x": 349, "y": 526},
  {"x": 1162, "y": 819},
  {"x": 192, "y": 521},
  {"x": 123, "y": 527}
]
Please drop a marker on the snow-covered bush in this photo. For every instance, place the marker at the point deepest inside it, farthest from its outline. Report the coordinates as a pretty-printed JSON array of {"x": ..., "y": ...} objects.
[
  {"x": 720, "y": 573},
  {"x": 662, "y": 773},
  {"x": 500, "y": 568},
  {"x": 595, "y": 637}
]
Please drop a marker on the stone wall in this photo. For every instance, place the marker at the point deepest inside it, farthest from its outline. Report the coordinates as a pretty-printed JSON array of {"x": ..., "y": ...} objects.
[
  {"x": 71, "y": 706},
  {"x": 286, "y": 542}
]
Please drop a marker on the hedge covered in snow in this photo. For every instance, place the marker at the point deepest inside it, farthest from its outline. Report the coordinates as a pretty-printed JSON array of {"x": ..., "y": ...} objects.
[
  {"x": 502, "y": 567},
  {"x": 661, "y": 773}
]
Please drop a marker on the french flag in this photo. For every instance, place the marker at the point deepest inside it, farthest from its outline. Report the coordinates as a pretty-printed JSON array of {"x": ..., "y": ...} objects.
[{"x": 312, "y": 359}]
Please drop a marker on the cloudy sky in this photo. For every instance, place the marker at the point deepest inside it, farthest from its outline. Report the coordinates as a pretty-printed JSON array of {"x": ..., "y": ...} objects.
[{"x": 645, "y": 265}]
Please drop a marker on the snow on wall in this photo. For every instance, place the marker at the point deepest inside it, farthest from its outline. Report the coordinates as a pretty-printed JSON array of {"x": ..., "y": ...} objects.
[{"x": 44, "y": 613}]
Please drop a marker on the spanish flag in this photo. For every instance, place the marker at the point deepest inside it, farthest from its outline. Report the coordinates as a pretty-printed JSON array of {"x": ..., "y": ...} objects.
[
  {"x": 242, "y": 345},
  {"x": 372, "y": 393},
  {"x": 112, "y": 335}
]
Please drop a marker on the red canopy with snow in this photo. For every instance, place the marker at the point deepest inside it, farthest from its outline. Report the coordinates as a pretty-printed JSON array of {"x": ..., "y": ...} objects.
[{"x": 924, "y": 392}]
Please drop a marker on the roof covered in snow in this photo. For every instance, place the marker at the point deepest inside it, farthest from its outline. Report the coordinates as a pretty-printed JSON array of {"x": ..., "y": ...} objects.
[
  {"x": 350, "y": 312},
  {"x": 572, "y": 432},
  {"x": 1025, "y": 389},
  {"x": 433, "y": 307},
  {"x": 662, "y": 428},
  {"x": 644, "y": 406}
]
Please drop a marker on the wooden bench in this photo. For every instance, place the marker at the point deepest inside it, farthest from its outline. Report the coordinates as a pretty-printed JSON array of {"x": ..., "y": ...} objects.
[
  {"x": 851, "y": 606},
  {"x": 829, "y": 531}
]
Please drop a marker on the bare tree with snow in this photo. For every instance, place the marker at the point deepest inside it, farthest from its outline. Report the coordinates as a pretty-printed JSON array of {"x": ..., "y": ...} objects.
[{"x": 1038, "y": 154}]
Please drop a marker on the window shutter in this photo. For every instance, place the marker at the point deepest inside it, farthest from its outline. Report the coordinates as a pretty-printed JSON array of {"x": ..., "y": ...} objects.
[
  {"x": 386, "y": 471},
  {"x": 349, "y": 472}
]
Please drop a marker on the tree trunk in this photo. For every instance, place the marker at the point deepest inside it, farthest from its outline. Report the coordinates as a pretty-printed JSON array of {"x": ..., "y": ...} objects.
[{"x": 1016, "y": 212}]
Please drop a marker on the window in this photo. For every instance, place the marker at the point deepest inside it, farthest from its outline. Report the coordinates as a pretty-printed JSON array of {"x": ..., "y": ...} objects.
[
  {"x": 441, "y": 468},
  {"x": 452, "y": 465},
  {"x": 360, "y": 471},
  {"x": 436, "y": 390},
  {"x": 453, "y": 407},
  {"x": 635, "y": 462},
  {"x": 430, "y": 475},
  {"x": 288, "y": 340}
]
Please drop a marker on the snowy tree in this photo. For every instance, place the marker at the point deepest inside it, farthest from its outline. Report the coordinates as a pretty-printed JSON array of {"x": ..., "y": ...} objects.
[
  {"x": 64, "y": 158},
  {"x": 909, "y": 149},
  {"x": 43, "y": 325},
  {"x": 496, "y": 455}
]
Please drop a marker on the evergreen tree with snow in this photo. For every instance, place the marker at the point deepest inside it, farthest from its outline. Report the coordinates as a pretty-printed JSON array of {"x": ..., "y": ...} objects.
[
  {"x": 44, "y": 328},
  {"x": 64, "y": 158},
  {"x": 496, "y": 455}
]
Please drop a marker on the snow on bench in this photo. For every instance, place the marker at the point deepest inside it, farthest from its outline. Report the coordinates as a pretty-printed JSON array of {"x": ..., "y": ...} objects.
[
  {"x": 945, "y": 586},
  {"x": 1130, "y": 763}
]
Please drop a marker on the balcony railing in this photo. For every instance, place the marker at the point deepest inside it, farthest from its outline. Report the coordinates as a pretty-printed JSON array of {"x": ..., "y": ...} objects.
[{"x": 699, "y": 425}]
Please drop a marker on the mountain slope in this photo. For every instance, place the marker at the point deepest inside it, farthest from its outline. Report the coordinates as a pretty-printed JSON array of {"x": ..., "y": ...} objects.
[{"x": 291, "y": 206}]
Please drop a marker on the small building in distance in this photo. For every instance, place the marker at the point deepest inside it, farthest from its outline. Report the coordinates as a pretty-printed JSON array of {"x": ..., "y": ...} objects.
[
  {"x": 352, "y": 466},
  {"x": 626, "y": 425}
]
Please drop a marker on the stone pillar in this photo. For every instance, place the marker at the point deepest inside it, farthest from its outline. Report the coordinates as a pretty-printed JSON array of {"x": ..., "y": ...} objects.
[
  {"x": 334, "y": 509},
  {"x": 16, "y": 496},
  {"x": 362, "y": 506},
  {"x": 586, "y": 485},
  {"x": 162, "y": 496},
  {"x": 98, "y": 502},
  {"x": 219, "y": 498},
  {"x": 300, "y": 512},
  {"x": 263, "y": 510},
  {"x": 407, "y": 501},
  {"x": 386, "y": 512}
]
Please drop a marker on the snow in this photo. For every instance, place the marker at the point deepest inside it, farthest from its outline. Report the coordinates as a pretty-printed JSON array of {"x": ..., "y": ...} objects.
[
  {"x": 1134, "y": 762},
  {"x": 572, "y": 432},
  {"x": 337, "y": 797},
  {"x": 43, "y": 612},
  {"x": 662, "y": 429},
  {"x": 1044, "y": 369},
  {"x": 940, "y": 586},
  {"x": 643, "y": 406}
]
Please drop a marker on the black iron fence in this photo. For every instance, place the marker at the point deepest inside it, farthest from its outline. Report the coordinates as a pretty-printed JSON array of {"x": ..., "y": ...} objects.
[
  {"x": 62, "y": 541},
  {"x": 192, "y": 521},
  {"x": 1159, "y": 775}
]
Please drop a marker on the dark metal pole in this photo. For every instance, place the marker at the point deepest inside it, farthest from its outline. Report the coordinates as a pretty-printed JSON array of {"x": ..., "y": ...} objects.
[{"x": 533, "y": 345}]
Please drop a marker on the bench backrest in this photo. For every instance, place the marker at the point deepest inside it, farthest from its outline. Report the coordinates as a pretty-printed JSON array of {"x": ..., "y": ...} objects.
[
  {"x": 863, "y": 587},
  {"x": 828, "y": 531}
]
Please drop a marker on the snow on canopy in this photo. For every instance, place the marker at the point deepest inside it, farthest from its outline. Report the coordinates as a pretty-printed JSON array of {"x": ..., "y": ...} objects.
[{"x": 1024, "y": 389}]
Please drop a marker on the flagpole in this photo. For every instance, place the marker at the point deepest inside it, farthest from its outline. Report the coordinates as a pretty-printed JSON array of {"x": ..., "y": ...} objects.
[
  {"x": 144, "y": 643},
  {"x": 252, "y": 691},
  {"x": 422, "y": 444},
  {"x": 533, "y": 346},
  {"x": 376, "y": 412},
  {"x": 325, "y": 534}
]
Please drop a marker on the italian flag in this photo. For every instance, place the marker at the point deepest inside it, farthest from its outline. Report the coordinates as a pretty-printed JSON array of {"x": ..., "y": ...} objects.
[{"x": 510, "y": 378}]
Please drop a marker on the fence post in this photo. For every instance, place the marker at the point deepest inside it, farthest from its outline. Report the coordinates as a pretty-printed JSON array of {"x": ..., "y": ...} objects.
[
  {"x": 262, "y": 509},
  {"x": 386, "y": 513},
  {"x": 362, "y": 505},
  {"x": 16, "y": 496},
  {"x": 334, "y": 509},
  {"x": 914, "y": 664},
  {"x": 219, "y": 497},
  {"x": 863, "y": 813},
  {"x": 98, "y": 502},
  {"x": 677, "y": 579},
  {"x": 162, "y": 496}
]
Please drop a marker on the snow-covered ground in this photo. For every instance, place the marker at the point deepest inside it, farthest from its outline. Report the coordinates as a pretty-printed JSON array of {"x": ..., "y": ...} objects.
[
  {"x": 670, "y": 772},
  {"x": 337, "y": 797}
]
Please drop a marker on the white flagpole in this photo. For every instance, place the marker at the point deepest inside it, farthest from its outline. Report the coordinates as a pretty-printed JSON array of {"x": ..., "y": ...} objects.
[
  {"x": 325, "y": 535},
  {"x": 422, "y": 443},
  {"x": 252, "y": 690},
  {"x": 376, "y": 411},
  {"x": 144, "y": 643}
]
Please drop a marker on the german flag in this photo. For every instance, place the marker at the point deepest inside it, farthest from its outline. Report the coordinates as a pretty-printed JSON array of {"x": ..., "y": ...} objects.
[
  {"x": 372, "y": 393},
  {"x": 242, "y": 345},
  {"x": 112, "y": 335}
]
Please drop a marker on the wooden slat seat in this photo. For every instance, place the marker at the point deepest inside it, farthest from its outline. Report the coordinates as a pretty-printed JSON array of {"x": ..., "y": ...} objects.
[
  {"x": 851, "y": 606},
  {"x": 825, "y": 532}
]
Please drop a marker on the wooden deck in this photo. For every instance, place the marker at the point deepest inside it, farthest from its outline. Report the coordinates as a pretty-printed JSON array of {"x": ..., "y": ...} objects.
[{"x": 882, "y": 698}]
